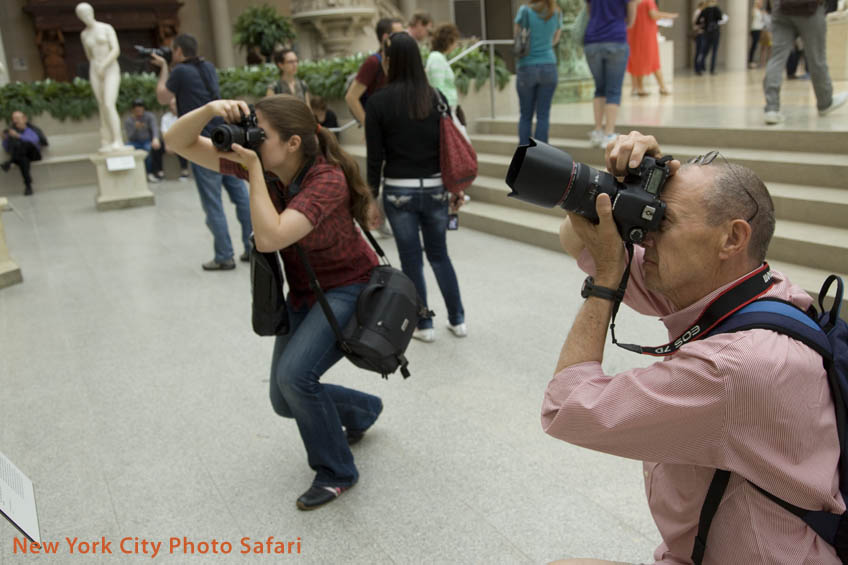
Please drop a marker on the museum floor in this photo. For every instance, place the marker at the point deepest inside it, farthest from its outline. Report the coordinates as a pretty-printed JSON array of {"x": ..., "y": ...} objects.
[{"x": 135, "y": 396}]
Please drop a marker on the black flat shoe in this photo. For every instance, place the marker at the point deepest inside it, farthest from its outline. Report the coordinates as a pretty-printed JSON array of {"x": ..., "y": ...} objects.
[{"x": 316, "y": 497}]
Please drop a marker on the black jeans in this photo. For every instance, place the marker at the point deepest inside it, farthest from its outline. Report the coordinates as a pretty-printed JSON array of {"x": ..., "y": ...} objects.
[
  {"x": 755, "y": 39},
  {"x": 22, "y": 153}
]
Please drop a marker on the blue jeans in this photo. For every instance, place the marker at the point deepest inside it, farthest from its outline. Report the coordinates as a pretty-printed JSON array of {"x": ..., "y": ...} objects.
[
  {"x": 320, "y": 410},
  {"x": 426, "y": 209},
  {"x": 145, "y": 146},
  {"x": 607, "y": 61},
  {"x": 209, "y": 186},
  {"x": 710, "y": 45},
  {"x": 536, "y": 85}
]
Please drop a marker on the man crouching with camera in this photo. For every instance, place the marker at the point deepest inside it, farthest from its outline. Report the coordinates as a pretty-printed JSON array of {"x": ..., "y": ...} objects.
[{"x": 753, "y": 402}]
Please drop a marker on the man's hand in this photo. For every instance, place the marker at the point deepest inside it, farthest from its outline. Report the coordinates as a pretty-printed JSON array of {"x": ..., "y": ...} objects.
[
  {"x": 603, "y": 242},
  {"x": 456, "y": 201},
  {"x": 628, "y": 151},
  {"x": 14, "y": 133},
  {"x": 157, "y": 60},
  {"x": 155, "y": 144}
]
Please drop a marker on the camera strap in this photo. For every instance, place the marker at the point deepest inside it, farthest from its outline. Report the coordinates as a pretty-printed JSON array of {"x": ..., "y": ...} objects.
[{"x": 745, "y": 291}]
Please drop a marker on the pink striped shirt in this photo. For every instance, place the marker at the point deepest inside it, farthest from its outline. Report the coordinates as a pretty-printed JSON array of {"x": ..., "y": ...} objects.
[{"x": 754, "y": 402}]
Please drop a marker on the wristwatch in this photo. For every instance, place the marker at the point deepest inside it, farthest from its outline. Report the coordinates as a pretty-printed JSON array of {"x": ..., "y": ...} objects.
[{"x": 590, "y": 289}]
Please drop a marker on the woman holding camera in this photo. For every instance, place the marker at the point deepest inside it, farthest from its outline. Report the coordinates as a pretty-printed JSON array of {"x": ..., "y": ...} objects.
[
  {"x": 402, "y": 130},
  {"x": 315, "y": 195}
]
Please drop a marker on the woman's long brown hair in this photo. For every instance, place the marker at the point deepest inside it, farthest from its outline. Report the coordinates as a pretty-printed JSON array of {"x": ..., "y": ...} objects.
[
  {"x": 548, "y": 7},
  {"x": 289, "y": 116}
]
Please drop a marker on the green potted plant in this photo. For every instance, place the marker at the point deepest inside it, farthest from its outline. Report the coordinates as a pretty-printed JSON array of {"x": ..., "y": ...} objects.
[{"x": 262, "y": 27}]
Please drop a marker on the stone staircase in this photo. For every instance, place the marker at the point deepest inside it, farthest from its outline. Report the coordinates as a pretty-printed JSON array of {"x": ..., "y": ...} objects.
[{"x": 806, "y": 173}]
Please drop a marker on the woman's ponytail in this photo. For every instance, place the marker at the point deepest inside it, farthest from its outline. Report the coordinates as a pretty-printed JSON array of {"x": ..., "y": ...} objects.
[{"x": 360, "y": 194}]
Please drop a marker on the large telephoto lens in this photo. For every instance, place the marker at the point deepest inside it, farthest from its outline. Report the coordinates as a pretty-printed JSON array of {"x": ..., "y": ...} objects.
[
  {"x": 546, "y": 176},
  {"x": 225, "y": 135}
]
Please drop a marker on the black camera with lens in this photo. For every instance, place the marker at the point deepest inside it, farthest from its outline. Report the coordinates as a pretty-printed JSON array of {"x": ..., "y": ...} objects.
[
  {"x": 546, "y": 176},
  {"x": 246, "y": 133},
  {"x": 164, "y": 52}
]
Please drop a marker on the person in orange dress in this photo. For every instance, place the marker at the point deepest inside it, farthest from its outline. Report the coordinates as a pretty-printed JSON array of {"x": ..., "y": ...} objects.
[{"x": 644, "y": 50}]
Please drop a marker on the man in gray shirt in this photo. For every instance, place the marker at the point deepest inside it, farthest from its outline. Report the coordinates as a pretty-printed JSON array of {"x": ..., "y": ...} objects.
[{"x": 143, "y": 133}]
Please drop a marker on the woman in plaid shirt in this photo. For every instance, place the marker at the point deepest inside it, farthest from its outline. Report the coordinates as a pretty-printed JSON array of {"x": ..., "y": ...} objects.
[{"x": 318, "y": 215}]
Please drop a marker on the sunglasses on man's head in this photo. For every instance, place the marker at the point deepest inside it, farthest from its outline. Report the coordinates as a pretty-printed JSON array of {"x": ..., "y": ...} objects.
[{"x": 704, "y": 160}]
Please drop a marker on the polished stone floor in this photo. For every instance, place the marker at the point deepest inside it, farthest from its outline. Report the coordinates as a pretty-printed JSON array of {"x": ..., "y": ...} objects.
[
  {"x": 134, "y": 394},
  {"x": 135, "y": 397}
]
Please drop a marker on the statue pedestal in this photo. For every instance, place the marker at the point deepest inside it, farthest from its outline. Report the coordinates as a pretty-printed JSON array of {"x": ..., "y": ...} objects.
[
  {"x": 837, "y": 47},
  {"x": 10, "y": 273},
  {"x": 121, "y": 179}
]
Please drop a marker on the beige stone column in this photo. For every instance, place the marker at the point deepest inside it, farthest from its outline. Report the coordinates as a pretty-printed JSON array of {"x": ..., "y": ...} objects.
[
  {"x": 222, "y": 33},
  {"x": 408, "y": 7},
  {"x": 10, "y": 273},
  {"x": 735, "y": 33},
  {"x": 5, "y": 71}
]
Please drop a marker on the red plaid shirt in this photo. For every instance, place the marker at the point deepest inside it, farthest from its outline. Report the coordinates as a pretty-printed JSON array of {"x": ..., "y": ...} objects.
[{"x": 336, "y": 249}]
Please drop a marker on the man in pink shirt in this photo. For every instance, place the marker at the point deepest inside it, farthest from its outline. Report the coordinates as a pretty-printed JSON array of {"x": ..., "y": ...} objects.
[{"x": 754, "y": 402}]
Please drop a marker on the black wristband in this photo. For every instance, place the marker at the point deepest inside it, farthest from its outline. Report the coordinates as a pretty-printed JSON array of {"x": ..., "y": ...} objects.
[{"x": 590, "y": 289}]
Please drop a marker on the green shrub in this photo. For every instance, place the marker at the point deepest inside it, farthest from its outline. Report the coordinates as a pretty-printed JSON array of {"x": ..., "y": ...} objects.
[{"x": 327, "y": 78}]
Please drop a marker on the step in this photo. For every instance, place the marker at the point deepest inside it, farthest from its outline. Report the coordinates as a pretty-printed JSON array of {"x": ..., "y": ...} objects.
[
  {"x": 539, "y": 228},
  {"x": 809, "y": 169},
  {"x": 810, "y": 245},
  {"x": 714, "y": 138},
  {"x": 52, "y": 172}
]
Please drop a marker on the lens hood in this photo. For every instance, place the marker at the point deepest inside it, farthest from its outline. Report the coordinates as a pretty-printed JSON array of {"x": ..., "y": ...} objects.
[{"x": 540, "y": 174}]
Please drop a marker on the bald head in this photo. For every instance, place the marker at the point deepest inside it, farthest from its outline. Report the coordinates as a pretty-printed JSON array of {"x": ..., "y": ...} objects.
[{"x": 736, "y": 192}]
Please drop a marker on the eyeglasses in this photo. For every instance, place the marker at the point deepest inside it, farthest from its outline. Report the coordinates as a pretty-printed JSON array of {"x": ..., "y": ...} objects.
[{"x": 703, "y": 160}]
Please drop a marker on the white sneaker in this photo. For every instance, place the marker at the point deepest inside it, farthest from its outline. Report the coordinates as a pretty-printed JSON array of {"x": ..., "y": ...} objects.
[
  {"x": 152, "y": 178},
  {"x": 459, "y": 330},
  {"x": 838, "y": 100},
  {"x": 607, "y": 139},
  {"x": 595, "y": 137},
  {"x": 426, "y": 335},
  {"x": 774, "y": 117}
]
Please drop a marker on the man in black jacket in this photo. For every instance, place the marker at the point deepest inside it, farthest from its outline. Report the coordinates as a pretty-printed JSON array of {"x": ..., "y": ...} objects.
[
  {"x": 194, "y": 82},
  {"x": 23, "y": 142}
]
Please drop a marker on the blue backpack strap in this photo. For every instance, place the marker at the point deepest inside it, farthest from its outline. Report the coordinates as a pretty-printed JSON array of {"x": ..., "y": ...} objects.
[
  {"x": 785, "y": 318},
  {"x": 780, "y": 316}
]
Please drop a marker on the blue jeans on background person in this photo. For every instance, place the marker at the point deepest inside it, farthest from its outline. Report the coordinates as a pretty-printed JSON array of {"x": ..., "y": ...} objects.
[
  {"x": 607, "y": 62},
  {"x": 536, "y": 85},
  {"x": 710, "y": 45},
  {"x": 699, "y": 53},
  {"x": 209, "y": 186},
  {"x": 145, "y": 146},
  {"x": 320, "y": 410},
  {"x": 425, "y": 210}
]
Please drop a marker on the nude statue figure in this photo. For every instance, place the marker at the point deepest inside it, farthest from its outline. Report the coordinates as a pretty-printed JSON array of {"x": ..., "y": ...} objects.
[{"x": 101, "y": 47}]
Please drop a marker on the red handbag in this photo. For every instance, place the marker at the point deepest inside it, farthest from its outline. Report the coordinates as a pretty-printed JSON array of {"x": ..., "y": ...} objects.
[{"x": 457, "y": 158}]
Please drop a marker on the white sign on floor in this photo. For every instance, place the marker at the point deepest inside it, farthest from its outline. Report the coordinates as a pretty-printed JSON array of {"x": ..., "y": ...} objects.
[{"x": 17, "y": 500}]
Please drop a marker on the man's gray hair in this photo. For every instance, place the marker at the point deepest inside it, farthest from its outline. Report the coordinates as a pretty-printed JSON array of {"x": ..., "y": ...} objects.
[{"x": 728, "y": 200}]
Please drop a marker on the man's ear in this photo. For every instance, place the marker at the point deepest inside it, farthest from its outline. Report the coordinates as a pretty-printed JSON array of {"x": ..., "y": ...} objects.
[{"x": 735, "y": 239}]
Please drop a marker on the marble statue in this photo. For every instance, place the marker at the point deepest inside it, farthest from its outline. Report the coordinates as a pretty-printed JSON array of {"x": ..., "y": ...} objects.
[
  {"x": 572, "y": 63},
  {"x": 101, "y": 47},
  {"x": 841, "y": 12}
]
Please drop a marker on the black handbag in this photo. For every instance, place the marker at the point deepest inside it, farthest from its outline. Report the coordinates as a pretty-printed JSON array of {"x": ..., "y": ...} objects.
[
  {"x": 521, "y": 42},
  {"x": 387, "y": 312},
  {"x": 270, "y": 315}
]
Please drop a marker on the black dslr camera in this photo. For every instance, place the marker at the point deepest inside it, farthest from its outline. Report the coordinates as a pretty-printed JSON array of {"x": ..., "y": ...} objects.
[
  {"x": 543, "y": 175},
  {"x": 246, "y": 133},
  {"x": 164, "y": 52}
]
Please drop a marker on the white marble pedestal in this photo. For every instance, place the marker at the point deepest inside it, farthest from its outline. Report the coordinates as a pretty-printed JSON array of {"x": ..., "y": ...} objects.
[
  {"x": 10, "y": 273},
  {"x": 121, "y": 179},
  {"x": 837, "y": 46}
]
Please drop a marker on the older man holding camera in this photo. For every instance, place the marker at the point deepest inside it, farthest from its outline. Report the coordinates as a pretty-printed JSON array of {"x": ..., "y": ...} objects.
[{"x": 754, "y": 402}]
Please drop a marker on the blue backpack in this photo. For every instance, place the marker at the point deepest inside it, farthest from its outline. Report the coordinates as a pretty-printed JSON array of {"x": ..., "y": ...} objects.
[{"x": 827, "y": 334}]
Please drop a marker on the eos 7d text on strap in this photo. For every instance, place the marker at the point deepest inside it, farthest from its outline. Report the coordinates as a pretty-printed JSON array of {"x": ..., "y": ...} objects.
[{"x": 743, "y": 292}]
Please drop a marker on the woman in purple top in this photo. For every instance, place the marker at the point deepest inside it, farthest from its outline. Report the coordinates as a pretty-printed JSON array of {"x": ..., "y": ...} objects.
[
  {"x": 606, "y": 48},
  {"x": 23, "y": 145}
]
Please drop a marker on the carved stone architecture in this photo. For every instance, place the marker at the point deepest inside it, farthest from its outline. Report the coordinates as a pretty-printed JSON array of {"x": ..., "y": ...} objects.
[
  {"x": 145, "y": 22},
  {"x": 340, "y": 27}
]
